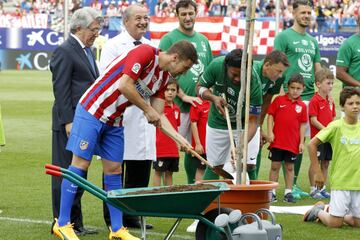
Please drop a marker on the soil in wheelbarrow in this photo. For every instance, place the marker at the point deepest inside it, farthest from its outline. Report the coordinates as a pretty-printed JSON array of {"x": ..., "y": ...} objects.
[{"x": 176, "y": 188}]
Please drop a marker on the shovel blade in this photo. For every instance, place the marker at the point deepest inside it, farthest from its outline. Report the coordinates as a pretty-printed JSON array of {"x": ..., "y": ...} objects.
[{"x": 221, "y": 172}]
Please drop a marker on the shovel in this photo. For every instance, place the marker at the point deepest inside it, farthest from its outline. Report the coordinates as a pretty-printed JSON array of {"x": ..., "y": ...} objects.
[{"x": 218, "y": 170}]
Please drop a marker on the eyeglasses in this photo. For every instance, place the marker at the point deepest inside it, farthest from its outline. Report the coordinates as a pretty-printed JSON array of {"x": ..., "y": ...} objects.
[{"x": 95, "y": 30}]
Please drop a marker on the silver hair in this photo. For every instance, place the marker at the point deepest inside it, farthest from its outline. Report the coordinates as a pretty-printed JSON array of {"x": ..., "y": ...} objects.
[
  {"x": 83, "y": 17},
  {"x": 129, "y": 10}
]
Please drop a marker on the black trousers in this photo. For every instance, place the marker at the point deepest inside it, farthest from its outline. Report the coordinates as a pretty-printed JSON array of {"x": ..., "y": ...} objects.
[
  {"x": 61, "y": 157},
  {"x": 136, "y": 174}
]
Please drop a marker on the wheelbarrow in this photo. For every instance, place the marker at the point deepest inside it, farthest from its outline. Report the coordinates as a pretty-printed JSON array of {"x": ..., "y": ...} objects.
[{"x": 179, "y": 205}]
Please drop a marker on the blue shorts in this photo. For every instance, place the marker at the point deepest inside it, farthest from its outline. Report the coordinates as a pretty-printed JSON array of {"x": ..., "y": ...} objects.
[{"x": 89, "y": 136}]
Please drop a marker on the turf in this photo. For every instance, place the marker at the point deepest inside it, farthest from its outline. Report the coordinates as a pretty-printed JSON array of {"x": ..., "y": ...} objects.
[{"x": 26, "y": 101}]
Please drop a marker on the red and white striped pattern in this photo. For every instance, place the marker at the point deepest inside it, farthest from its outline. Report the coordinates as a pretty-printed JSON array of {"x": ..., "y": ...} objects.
[
  {"x": 210, "y": 27},
  {"x": 104, "y": 100},
  {"x": 224, "y": 33}
]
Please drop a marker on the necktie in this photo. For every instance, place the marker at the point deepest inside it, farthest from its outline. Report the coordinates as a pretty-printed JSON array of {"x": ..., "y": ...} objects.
[
  {"x": 137, "y": 42},
  {"x": 90, "y": 58}
]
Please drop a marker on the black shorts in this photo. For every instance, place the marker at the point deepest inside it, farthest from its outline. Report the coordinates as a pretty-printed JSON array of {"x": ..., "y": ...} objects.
[
  {"x": 166, "y": 164},
  {"x": 279, "y": 155},
  {"x": 324, "y": 152}
]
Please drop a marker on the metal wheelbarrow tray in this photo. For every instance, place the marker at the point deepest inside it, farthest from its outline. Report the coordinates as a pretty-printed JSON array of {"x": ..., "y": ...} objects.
[{"x": 186, "y": 204}]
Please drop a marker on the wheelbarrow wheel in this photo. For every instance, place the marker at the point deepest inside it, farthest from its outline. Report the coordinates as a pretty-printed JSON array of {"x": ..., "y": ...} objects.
[{"x": 204, "y": 232}]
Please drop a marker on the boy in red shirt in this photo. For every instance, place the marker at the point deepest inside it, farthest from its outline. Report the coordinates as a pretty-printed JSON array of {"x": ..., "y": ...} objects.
[
  {"x": 167, "y": 151},
  {"x": 198, "y": 117},
  {"x": 287, "y": 119},
  {"x": 321, "y": 113}
]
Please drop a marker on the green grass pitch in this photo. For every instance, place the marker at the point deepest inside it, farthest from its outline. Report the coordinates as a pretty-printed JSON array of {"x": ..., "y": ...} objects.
[{"x": 26, "y": 101}]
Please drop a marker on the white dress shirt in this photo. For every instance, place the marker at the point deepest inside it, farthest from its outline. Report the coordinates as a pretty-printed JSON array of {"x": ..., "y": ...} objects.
[{"x": 139, "y": 135}]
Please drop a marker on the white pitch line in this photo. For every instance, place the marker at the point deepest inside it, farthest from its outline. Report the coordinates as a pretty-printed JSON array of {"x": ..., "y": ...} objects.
[{"x": 26, "y": 220}]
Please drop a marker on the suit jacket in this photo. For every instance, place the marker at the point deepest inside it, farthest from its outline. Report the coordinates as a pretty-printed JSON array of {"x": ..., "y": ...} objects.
[{"x": 72, "y": 75}]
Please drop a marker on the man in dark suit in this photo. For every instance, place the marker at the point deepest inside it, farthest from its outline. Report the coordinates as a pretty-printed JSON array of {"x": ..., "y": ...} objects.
[{"x": 73, "y": 70}]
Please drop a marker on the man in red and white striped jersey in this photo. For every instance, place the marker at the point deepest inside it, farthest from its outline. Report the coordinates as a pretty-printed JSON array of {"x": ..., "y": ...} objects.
[{"x": 138, "y": 74}]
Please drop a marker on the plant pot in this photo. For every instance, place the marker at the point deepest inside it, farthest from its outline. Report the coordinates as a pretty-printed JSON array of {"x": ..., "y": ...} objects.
[{"x": 246, "y": 198}]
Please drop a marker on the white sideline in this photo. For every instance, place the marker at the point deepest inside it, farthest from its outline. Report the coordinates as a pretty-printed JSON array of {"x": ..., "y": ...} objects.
[
  {"x": 31, "y": 221},
  {"x": 291, "y": 210}
]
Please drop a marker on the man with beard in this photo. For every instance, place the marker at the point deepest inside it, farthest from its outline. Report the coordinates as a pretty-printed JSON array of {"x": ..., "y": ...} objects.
[
  {"x": 304, "y": 57},
  {"x": 139, "y": 149},
  {"x": 186, "y": 11}
]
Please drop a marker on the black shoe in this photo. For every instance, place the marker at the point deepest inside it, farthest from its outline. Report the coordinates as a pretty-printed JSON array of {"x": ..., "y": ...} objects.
[
  {"x": 81, "y": 231},
  {"x": 289, "y": 198},
  {"x": 136, "y": 224}
]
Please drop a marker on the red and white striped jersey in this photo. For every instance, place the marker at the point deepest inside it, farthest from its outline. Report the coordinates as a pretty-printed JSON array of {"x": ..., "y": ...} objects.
[{"x": 105, "y": 101}]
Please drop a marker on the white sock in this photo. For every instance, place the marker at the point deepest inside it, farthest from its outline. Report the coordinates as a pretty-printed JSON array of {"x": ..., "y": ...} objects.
[
  {"x": 287, "y": 191},
  {"x": 274, "y": 191}
]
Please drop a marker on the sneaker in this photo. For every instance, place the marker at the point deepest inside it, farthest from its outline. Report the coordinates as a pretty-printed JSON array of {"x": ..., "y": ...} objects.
[
  {"x": 273, "y": 198},
  {"x": 325, "y": 193},
  {"x": 65, "y": 232},
  {"x": 299, "y": 191},
  {"x": 316, "y": 194},
  {"x": 312, "y": 214},
  {"x": 192, "y": 228},
  {"x": 121, "y": 234},
  {"x": 289, "y": 198},
  {"x": 296, "y": 195}
]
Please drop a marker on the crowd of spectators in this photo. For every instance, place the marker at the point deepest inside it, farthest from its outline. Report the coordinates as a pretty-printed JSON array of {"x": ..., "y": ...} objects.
[{"x": 327, "y": 14}]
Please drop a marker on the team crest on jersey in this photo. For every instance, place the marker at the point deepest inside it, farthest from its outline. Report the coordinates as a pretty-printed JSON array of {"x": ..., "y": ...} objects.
[
  {"x": 136, "y": 67},
  {"x": 84, "y": 145},
  {"x": 160, "y": 163},
  {"x": 176, "y": 113},
  {"x": 154, "y": 79},
  {"x": 304, "y": 42},
  {"x": 298, "y": 108}
]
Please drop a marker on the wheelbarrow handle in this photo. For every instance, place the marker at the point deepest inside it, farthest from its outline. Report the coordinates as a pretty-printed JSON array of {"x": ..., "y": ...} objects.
[
  {"x": 52, "y": 167},
  {"x": 53, "y": 173}
]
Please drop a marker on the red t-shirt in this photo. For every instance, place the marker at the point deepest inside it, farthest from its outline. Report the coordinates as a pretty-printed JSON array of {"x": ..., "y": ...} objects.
[
  {"x": 199, "y": 114},
  {"x": 323, "y": 109},
  {"x": 288, "y": 116},
  {"x": 165, "y": 146}
]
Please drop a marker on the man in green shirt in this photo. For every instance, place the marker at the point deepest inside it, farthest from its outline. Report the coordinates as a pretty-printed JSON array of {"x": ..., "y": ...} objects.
[
  {"x": 348, "y": 60},
  {"x": 269, "y": 73},
  {"x": 304, "y": 57},
  {"x": 186, "y": 12},
  {"x": 344, "y": 137},
  {"x": 223, "y": 76}
]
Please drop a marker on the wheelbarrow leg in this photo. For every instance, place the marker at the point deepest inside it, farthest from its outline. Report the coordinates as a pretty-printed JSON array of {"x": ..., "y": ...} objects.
[
  {"x": 143, "y": 227},
  {"x": 172, "y": 229}
]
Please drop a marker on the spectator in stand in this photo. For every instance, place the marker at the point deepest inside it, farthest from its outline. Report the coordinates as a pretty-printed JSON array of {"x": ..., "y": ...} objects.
[
  {"x": 167, "y": 151},
  {"x": 96, "y": 5},
  {"x": 112, "y": 11},
  {"x": 224, "y": 7}
]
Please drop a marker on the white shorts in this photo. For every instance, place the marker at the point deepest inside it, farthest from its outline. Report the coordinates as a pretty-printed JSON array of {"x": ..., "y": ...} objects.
[
  {"x": 218, "y": 146},
  {"x": 344, "y": 202},
  {"x": 185, "y": 129},
  {"x": 307, "y": 128}
]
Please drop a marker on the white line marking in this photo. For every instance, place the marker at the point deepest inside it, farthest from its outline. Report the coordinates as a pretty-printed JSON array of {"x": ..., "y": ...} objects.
[{"x": 26, "y": 220}]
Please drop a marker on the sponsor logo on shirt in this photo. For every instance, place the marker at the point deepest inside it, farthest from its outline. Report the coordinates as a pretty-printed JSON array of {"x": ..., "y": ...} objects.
[
  {"x": 281, "y": 106},
  {"x": 296, "y": 42},
  {"x": 143, "y": 90},
  {"x": 322, "y": 107},
  {"x": 136, "y": 68},
  {"x": 231, "y": 91}
]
